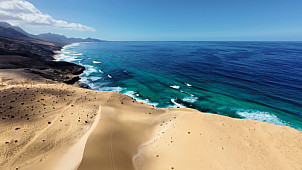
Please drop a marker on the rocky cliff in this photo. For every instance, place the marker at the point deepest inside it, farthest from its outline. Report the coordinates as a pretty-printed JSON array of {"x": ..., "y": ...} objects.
[{"x": 20, "y": 51}]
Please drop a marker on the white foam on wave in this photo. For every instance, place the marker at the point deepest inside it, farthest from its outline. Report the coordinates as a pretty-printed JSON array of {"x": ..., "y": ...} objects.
[
  {"x": 187, "y": 93},
  {"x": 109, "y": 76},
  {"x": 89, "y": 69},
  {"x": 134, "y": 96},
  {"x": 71, "y": 45},
  {"x": 94, "y": 84},
  {"x": 175, "y": 104},
  {"x": 85, "y": 80},
  {"x": 77, "y": 54},
  {"x": 261, "y": 116},
  {"x": 188, "y": 84},
  {"x": 175, "y": 87},
  {"x": 68, "y": 58},
  {"x": 130, "y": 93},
  {"x": 96, "y": 62},
  {"x": 190, "y": 99},
  {"x": 64, "y": 49},
  {"x": 95, "y": 78},
  {"x": 116, "y": 89}
]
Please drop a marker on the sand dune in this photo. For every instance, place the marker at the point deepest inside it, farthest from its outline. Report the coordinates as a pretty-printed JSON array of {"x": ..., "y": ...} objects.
[
  {"x": 208, "y": 141},
  {"x": 49, "y": 125}
]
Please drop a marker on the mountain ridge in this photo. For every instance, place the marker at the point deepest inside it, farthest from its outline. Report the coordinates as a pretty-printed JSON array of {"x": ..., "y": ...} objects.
[
  {"x": 56, "y": 38},
  {"x": 63, "y": 40}
]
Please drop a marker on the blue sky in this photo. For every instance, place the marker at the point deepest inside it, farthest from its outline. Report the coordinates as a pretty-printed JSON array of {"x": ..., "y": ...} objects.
[{"x": 176, "y": 19}]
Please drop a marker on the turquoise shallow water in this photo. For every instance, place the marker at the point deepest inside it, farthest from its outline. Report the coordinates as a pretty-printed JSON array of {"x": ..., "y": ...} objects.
[{"x": 250, "y": 80}]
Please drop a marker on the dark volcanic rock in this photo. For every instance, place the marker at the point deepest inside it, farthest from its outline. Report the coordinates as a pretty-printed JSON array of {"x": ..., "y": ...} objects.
[
  {"x": 23, "y": 48},
  {"x": 39, "y": 60},
  {"x": 60, "y": 71}
]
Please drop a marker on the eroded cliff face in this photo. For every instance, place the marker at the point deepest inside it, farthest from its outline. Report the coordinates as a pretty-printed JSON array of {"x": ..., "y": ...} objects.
[
  {"x": 27, "y": 49},
  {"x": 37, "y": 57},
  {"x": 60, "y": 71}
]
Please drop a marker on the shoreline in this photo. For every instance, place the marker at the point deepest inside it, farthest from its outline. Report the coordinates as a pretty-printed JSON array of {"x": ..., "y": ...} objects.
[
  {"x": 135, "y": 157},
  {"x": 249, "y": 113},
  {"x": 126, "y": 134},
  {"x": 77, "y": 83}
]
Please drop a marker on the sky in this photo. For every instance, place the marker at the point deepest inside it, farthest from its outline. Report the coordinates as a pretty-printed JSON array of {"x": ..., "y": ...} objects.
[{"x": 160, "y": 20}]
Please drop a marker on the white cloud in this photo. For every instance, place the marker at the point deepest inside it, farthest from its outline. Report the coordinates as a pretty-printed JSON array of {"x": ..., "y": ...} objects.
[{"x": 21, "y": 12}]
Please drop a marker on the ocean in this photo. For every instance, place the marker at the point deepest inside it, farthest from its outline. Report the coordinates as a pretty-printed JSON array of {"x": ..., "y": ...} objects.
[{"x": 247, "y": 80}]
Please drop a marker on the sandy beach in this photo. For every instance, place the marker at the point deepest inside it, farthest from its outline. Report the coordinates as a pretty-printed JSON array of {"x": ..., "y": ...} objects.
[
  {"x": 51, "y": 125},
  {"x": 150, "y": 85}
]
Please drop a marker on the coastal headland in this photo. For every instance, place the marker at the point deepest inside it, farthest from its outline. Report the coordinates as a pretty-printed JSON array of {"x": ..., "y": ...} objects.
[{"x": 47, "y": 122}]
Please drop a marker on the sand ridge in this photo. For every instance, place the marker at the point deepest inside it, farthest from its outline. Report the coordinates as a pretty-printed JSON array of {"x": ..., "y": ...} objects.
[
  {"x": 208, "y": 141},
  {"x": 32, "y": 119},
  {"x": 37, "y": 118}
]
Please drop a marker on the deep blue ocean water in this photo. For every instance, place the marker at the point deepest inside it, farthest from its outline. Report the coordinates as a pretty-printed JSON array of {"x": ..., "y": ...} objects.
[{"x": 250, "y": 80}]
